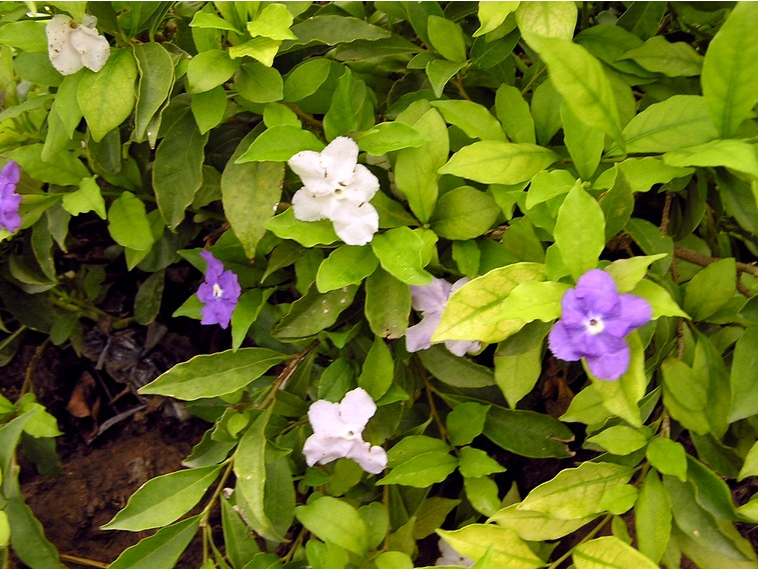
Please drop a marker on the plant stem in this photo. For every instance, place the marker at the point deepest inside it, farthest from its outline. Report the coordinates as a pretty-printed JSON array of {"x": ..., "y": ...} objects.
[
  {"x": 27, "y": 386},
  {"x": 81, "y": 561}
]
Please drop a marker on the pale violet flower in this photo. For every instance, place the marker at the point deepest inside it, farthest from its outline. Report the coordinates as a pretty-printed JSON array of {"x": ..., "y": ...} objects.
[
  {"x": 451, "y": 557},
  {"x": 595, "y": 319},
  {"x": 10, "y": 201},
  {"x": 72, "y": 46},
  {"x": 338, "y": 429},
  {"x": 430, "y": 300},
  {"x": 338, "y": 189},
  {"x": 219, "y": 292}
]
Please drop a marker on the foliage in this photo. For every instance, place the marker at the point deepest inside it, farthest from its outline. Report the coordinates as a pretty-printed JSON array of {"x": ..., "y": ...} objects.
[{"x": 518, "y": 145}]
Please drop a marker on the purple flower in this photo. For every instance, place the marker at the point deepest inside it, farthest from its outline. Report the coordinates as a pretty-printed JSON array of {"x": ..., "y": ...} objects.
[
  {"x": 219, "y": 293},
  {"x": 338, "y": 432},
  {"x": 595, "y": 320},
  {"x": 10, "y": 201},
  {"x": 430, "y": 300}
]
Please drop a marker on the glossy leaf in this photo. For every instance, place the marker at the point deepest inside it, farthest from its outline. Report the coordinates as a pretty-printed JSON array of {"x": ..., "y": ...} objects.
[
  {"x": 463, "y": 213},
  {"x": 210, "y": 375},
  {"x": 387, "y": 305},
  {"x": 156, "y": 80},
  {"x": 164, "y": 499},
  {"x": 347, "y": 265},
  {"x": 399, "y": 251},
  {"x": 494, "y": 162},
  {"x": 579, "y": 231},
  {"x": 314, "y": 312},
  {"x": 527, "y": 433},
  {"x": 335, "y": 521},
  {"x": 161, "y": 550}
]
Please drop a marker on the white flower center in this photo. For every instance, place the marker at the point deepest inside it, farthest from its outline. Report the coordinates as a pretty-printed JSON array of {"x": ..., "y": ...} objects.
[
  {"x": 594, "y": 325},
  {"x": 217, "y": 291},
  {"x": 351, "y": 435}
]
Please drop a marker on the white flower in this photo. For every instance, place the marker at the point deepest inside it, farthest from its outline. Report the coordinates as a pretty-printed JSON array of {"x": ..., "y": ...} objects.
[
  {"x": 336, "y": 188},
  {"x": 72, "y": 46},
  {"x": 430, "y": 300},
  {"x": 337, "y": 432},
  {"x": 451, "y": 557}
]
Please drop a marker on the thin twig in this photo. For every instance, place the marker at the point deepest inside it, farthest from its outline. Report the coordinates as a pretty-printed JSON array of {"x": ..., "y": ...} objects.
[
  {"x": 307, "y": 117},
  {"x": 664, "y": 226},
  {"x": 83, "y": 561},
  {"x": 704, "y": 260},
  {"x": 591, "y": 534}
]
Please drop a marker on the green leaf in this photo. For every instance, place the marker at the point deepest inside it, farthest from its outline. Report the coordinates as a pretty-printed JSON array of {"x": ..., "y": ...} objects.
[
  {"x": 472, "y": 118},
  {"x": 332, "y": 30},
  {"x": 440, "y": 72},
  {"x": 209, "y": 69},
  {"x": 387, "y": 305},
  {"x": 399, "y": 251},
  {"x": 668, "y": 457},
  {"x": 377, "y": 371},
  {"x": 685, "y": 395},
  {"x": 735, "y": 154},
  {"x": 210, "y": 375},
  {"x": 206, "y": 20},
  {"x": 730, "y": 70},
  {"x": 627, "y": 273},
  {"x": 482, "y": 494},
  {"x": 208, "y": 108},
  {"x": 472, "y": 312},
  {"x": 280, "y": 144},
  {"x": 575, "y": 493},
  {"x": 513, "y": 112},
  {"x": 466, "y": 421},
  {"x": 455, "y": 371},
  {"x": 492, "y": 14},
  {"x": 585, "y": 144},
  {"x": 579, "y": 231},
  {"x": 416, "y": 168},
  {"x": 581, "y": 80},
  {"x": 162, "y": 549},
  {"x": 259, "y": 83},
  {"x": 463, "y": 213},
  {"x": 87, "y": 199},
  {"x": 517, "y": 374},
  {"x": 147, "y": 302},
  {"x": 164, "y": 499},
  {"x": 653, "y": 517},
  {"x": 547, "y": 19},
  {"x": 527, "y": 433},
  {"x": 750, "y": 468},
  {"x": 25, "y": 35},
  {"x": 314, "y": 312},
  {"x": 535, "y": 526},
  {"x": 305, "y": 79},
  {"x": 659, "y": 299},
  {"x": 178, "y": 169},
  {"x": 475, "y": 463},
  {"x": 335, "y": 521},
  {"x": 618, "y": 500},
  {"x": 679, "y": 121},
  {"x": 156, "y": 80},
  {"x": 619, "y": 440},
  {"x": 66, "y": 170},
  {"x": 128, "y": 223},
  {"x": 422, "y": 470},
  {"x": 710, "y": 289},
  {"x": 239, "y": 542},
  {"x": 676, "y": 59},
  {"x": 308, "y": 234},
  {"x": 494, "y": 162},
  {"x": 65, "y": 105},
  {"x": 507, "y": 550},
  {"x": 446, "y": 38},
  {"x": 261, "y": 49},
  {"x": 246, "y": 312},
  {"x": 273, "y": 22},
  {"x": 534, "y": 300},
  {"x": 609, "y": 552},
  {"x": 249, "y": 194},
  {"x": 108, "y": 96},
  {"x": 388, "y": 137},
  {"x": 743, "y": 381}
]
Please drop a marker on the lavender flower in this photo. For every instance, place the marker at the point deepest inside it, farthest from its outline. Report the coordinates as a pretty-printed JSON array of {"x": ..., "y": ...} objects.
[
  {"x": 10, "y": 201},
  {"x": 219, "y": 293},
  {"x": 430, "y": 300},
  {"x": 338, "y": 431},
  {"x": 595, "y": 320}
]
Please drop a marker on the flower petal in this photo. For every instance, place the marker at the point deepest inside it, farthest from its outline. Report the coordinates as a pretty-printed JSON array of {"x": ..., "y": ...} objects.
[
  {"x": 597, "y": 291},
  {"x": 325, "y": 419},
  {"x": 430, "y": 298},
  {"x": 215, "y": 267},
  {"x": 11, "y": 173},
  {"x": 339, "y": 159},
  {"x": 361, "y": 186},
  {"x": 561, "y": 343},
  {"x": 65, "y": 59},
  {"x": 371, "y": 458},
  {"x": 310, "y": 208},
  {"x": 356, "y": 408},
  {"x": 308, "y": 165},
  {"x": 418, "y": 336},
  {"x": 355, "y": 225},
  {"x": 93, "y": 48},
  {"x": 633, "y": 312},
  {"x": 610, "y": 366},
  {"x": 461, "y": 347},
  {"x": 324, "y": 449}
]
